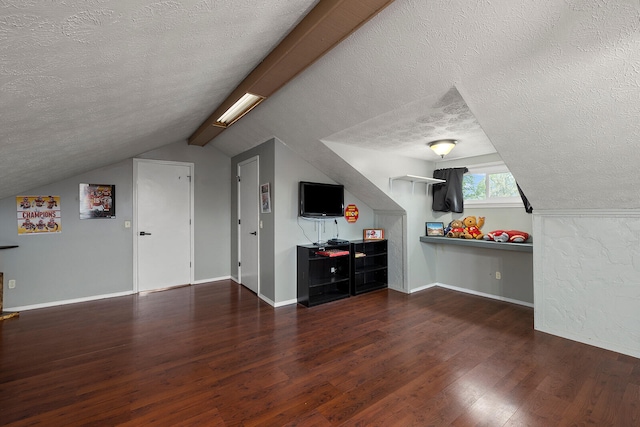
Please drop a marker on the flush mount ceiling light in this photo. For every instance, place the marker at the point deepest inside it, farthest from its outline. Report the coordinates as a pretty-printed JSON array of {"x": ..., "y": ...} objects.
[
  {"x": 442, "y": 147},
  {"x": 241, "y": 107}
]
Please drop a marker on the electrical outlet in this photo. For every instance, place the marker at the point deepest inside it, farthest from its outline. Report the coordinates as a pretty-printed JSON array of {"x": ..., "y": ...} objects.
[
  {"x": 498, "y": 275},
  {"x": 12, "y": 284}
]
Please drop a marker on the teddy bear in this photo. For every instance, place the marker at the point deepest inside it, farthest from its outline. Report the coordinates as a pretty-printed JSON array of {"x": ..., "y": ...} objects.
[
  {"x": 472, "y": 227},
  {"x": 456, "y": 228},
  {"x": 511, "y": 236}
]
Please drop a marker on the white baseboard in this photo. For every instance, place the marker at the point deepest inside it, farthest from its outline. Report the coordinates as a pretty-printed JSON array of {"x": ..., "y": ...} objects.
[
  {"x": 68, "y": 301},
  {"x": 422, "y": 288},
  {"x": 215, "y": 279},
  {"x": 482, "y": 294},
  {"x": 288, "y": 302},
  {"x": 267, "y": 300},
  {"x": 277, "y": 304}
]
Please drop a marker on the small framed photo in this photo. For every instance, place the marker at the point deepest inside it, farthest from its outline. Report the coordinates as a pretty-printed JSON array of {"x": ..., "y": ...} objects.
[
  {"x": 373, "y": 234},
  {"x": 265, "y": 198},
  {"x": 435, "y": 229}
]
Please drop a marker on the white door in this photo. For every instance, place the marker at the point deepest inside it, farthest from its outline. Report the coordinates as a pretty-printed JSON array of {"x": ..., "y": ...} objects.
[
  {"x": 163, "y": 224},
  {"x": 249, "y": 203}
]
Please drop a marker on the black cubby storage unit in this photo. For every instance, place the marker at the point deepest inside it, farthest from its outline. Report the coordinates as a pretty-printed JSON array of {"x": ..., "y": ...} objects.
[
  {"x": 368, "y": 265},
  {"x": 322, "y": 279}
]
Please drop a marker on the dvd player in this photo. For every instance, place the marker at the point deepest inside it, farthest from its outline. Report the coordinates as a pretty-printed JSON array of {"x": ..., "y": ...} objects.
[{"x": 337, "y": 242}]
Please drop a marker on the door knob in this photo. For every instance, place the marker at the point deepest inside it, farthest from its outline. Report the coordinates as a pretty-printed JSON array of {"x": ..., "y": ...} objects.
[
  {"x": 144, "y": 233},
  {"x": 255, "y": 233}
]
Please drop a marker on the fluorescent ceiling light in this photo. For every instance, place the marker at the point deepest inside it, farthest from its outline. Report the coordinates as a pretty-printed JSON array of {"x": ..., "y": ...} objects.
[
  {"x": 442, "y": 147},
  {"x": 239, "y": 109}
]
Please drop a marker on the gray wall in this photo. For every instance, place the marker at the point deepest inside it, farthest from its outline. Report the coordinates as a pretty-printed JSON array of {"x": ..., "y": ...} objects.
[
  {"x": 282, "y": 229},
  {"x": 474, "y": 269},
  {"x": 93, "y": 258},
  {"x": 292, "y": 230},
  {"x": 88, "y": 258},
  {"x": 212, "y": 197}
]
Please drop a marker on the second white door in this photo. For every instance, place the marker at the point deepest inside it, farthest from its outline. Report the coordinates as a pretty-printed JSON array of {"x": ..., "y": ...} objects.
[{"x": 248, "y": 226}]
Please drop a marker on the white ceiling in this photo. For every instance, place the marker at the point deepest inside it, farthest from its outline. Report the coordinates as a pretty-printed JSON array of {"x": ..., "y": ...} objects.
[
  {"x": 552, "y": 84},
  {"x": 406, "y": 131},
  {"x": 86, "y": 83}
]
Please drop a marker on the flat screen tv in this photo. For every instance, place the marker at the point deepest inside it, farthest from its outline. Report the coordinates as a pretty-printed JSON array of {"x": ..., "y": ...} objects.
[{"x": 319, "y": 200}]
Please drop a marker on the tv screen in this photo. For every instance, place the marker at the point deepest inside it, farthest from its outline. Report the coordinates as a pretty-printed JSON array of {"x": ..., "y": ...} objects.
[{"x": 321, "y": 200}]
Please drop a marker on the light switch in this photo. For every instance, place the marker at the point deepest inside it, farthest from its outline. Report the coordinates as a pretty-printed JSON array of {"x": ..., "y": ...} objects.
[
  {"x": 127, "y": 224},
  {"x": 260, "y": 223}
]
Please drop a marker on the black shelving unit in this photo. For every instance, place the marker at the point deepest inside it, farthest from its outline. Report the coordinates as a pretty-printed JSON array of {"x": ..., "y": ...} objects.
[
  {"x": 368, "y": 265},
  {"x": 322, "y": 279}
]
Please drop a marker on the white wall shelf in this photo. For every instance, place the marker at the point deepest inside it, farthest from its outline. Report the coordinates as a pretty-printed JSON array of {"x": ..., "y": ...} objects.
[{"x": 413, "y": 179}]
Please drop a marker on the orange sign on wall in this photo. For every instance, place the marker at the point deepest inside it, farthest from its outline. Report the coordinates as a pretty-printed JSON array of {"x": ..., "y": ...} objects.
[{"x": 351, "y": 213}]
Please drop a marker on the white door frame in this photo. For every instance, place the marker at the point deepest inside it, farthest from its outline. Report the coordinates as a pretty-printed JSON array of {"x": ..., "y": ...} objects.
[
  {"x": 191, "y": 167},
  {"x": 239, "y": 207}
]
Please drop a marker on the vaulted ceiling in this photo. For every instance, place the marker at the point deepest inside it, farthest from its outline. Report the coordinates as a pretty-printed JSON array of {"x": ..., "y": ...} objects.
[{"x": 552, "y": 85}]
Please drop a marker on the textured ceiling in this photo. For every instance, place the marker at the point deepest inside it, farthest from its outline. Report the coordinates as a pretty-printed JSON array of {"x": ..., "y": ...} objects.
[
  {"x": 553, "y": 84},
  {"x": 406, "y": 130},
  {"x": 85, "y": 83}
]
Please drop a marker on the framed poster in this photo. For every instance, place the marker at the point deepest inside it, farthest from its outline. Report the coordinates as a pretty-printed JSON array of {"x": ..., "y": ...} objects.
[
  {"x": 435, "y": 229},
  {"x": 265, "y": 198},
  {"x": 97, "y": 201},
  {"x": 38, "y": 214}
]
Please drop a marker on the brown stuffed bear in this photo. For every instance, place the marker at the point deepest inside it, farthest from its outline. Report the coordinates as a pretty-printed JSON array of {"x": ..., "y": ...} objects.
[
  {"x": 472, "y": 227},
  {"x": 457, "y": 228}
]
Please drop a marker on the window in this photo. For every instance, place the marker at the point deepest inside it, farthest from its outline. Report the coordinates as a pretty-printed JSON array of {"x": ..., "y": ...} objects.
[{"x": 490, "y": 185}]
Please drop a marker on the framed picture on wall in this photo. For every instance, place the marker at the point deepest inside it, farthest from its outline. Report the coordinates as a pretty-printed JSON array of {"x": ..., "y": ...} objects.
[
  {"x": 265, "y": 198},
  {"x": 434, "y": 229},
  {"x": 97, "y": 201}
]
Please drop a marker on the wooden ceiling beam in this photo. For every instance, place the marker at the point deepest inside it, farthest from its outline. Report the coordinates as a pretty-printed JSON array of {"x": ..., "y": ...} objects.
[{"x": 328, "y": 23}]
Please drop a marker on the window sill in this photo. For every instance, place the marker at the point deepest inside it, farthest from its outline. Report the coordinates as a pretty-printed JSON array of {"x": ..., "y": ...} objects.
[{"x": 517, "y": 247}]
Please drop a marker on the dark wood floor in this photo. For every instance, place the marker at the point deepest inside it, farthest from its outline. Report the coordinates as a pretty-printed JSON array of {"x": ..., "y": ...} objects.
[{"x": 214, "y": 354}]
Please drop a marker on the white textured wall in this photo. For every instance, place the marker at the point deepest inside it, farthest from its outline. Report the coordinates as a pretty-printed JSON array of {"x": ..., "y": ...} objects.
[{"x": 587, "y": 277}]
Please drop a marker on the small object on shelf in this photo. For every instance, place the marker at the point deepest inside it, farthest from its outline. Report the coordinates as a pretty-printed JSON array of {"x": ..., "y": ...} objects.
[
  {"x": 337, "y": 241},
  {"x": 456, "y": 229},
  {"x": 332, "y": 252},
  {"x": 359, "y": 255},
  {"x": 373, "y": 234},
  {"x": 434, "y": 229},
  {"x": 511, "y": 236},
  {"x": 472, "y": 227}
]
